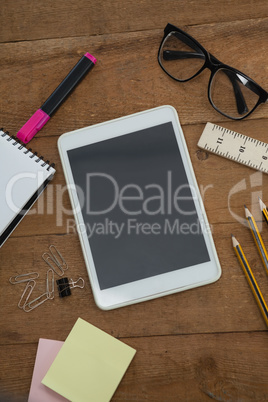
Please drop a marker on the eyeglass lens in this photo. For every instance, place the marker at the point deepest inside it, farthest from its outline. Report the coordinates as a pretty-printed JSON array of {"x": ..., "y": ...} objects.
[
  {"x": 180, "y": 56},
  {"x": 230, "y": 93}
]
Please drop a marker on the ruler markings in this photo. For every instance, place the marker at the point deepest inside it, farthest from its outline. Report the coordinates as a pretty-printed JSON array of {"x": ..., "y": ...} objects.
[{"x": 235, "y": 146}]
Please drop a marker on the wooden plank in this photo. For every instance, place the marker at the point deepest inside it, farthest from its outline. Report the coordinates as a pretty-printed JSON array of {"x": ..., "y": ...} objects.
[
  {"x": 170, "y": 368},
  {"x": 48, "y": 20},
  {"x": 126, "y": 78},
  {"x": 227, "y": 305}
]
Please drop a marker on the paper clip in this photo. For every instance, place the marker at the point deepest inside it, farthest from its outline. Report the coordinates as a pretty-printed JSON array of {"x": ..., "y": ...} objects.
[
  {"x": 35, "y": 303},
  {"x": 50, "y": 284},
  {"x": 55, "y": 260},
  {"x": 30, "y": 285},
  {"x": 65, "y": 286},
  {"x": 55, "y": 254},
  {"x": 23, "y": 278},
  {"x": 52, "y": 263}
]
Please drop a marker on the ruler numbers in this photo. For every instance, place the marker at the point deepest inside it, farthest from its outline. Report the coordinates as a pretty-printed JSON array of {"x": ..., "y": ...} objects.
[{"x": 237, "y": 147}]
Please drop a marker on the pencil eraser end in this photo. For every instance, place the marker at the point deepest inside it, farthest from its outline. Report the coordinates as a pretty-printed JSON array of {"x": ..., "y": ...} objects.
[
  {"x": 32, "y": 126},
  {"x": 90, "y": 57}
]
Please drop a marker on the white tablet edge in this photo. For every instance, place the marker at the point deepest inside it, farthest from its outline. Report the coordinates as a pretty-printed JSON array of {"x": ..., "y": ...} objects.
[{"x": 139, "y": 291}]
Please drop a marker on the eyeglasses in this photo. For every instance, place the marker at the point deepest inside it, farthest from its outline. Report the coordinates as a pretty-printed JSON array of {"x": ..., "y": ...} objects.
[{"x": 230, "y": 92}]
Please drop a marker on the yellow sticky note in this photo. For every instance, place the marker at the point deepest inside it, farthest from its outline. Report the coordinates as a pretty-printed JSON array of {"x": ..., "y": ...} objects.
[{"x": 89, "y": 366}]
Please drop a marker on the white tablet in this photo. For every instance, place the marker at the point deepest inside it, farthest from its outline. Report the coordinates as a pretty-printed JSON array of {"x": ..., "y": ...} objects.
[{"x": 138, "y": 211}]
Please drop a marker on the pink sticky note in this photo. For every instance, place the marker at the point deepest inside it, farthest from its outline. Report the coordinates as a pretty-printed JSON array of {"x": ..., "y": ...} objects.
[{"x": 46, "y": 353}]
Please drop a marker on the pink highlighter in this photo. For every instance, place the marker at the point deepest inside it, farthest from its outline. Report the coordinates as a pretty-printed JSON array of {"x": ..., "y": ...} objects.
[{"x": 42, "y": 115}]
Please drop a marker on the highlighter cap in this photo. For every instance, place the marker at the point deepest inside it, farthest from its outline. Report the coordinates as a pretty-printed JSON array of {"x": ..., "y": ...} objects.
[{"x": 32, "y": 126}]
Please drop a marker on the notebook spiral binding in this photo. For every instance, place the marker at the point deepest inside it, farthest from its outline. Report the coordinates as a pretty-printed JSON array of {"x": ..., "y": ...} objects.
[{"x": 21, "y": 146}]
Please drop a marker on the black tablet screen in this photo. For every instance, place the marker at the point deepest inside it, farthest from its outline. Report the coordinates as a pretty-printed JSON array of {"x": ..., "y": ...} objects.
[{"x": 137, "y": 205}]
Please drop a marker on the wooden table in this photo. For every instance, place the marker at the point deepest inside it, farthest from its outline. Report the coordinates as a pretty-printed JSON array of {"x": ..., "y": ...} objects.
[{"x": 206, "y": 343}]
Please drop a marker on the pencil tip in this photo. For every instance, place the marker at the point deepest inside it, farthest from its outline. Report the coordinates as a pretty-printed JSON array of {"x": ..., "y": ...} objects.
[
  {"x": 247, "y": 212},
  {"x": 235, "y": 242},
  {"x": 262, "y": 205}
]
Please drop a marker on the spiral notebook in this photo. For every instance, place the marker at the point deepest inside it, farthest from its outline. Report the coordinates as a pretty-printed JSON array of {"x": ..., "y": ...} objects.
[{"x": 23, "y": 177}]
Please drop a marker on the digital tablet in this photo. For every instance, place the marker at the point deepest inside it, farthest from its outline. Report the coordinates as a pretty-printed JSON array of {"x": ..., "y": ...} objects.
[{"x": 138, "y": 211}]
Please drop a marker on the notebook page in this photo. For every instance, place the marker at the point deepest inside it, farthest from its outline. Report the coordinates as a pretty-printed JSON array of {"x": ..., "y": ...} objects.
[{"x": 20, "y": 178}]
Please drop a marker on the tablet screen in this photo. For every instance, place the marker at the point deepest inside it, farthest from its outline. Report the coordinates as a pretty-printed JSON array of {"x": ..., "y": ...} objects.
[{"x": 137, "y": 205}]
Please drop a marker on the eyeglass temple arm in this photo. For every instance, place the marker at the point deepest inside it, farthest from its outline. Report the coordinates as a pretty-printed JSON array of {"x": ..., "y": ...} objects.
[
  {"x": 180, "y": 55},
  {"x": 236, "y": 78}
]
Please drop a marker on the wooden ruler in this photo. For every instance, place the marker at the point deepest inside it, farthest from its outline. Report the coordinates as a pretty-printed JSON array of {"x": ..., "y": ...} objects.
[{"x": 237, "y": 147}]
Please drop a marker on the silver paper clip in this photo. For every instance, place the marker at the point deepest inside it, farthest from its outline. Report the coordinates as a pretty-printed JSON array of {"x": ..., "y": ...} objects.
[
  {"x": 35, "y": 303},
  {"x": 56, "y": 254},
  {"x": 26, "y": 293},
  {"x": 52, "y": 263},
  {"x": 55, "y": 260},
  {"x": 50, "y": 284},
  {"x": 23, "y": 278}
]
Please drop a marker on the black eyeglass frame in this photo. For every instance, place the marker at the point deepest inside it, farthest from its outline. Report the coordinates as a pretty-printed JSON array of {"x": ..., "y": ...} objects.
[{"x": 213, "y": 64}]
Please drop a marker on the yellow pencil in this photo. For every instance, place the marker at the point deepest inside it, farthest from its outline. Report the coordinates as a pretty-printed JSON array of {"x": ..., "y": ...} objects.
[
  {"x": 251, "y": 280},
  {"x": 263, "y": 210},
  {"x": 257, "y": 237}
]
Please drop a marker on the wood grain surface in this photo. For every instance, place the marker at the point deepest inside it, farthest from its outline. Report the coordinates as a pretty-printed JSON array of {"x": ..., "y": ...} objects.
[{"x": 208, "y": 343}]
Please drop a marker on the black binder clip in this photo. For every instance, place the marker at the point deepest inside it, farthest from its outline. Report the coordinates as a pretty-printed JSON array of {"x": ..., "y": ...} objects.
[{"x": 64, "y": 286}]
